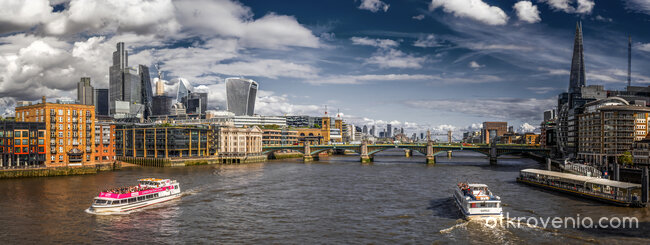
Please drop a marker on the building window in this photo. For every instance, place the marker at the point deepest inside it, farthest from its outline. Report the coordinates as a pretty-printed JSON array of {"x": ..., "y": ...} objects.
[
  {"x": 60, "y": 113},
  {"x": 60, "y": 157},
  {"x": 61, "y": 150}
]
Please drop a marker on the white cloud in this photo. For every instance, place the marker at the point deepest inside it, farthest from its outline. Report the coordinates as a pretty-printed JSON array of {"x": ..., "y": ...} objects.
[
  {"x": 498, "y": 108},
  {"x": 271, "y": 68},
  {"x": 374, "y": 5},
  {"x": 585, "y": 6},
  {"x": 225, "y": 18},
  {"x": 484, "y": 46},
  {"x": 473, "y": 9},
  {"x": 360, "y": 79},
  {"x": 526, "y": 128},
  {"x": 603, "y": 19},
  {"x": 418, "y": 17},
  {"x": 582, "y": 7},
  {"x": 644, "y": 47},
  {"x": 100, "y": 16},
  {"x": 527, "y": 12},
  {"x": 393, "y": 58},
  {"x": 638, "y": 6},
  {"x": 475, "y": 65},
  {"x": 541, "y": 90},
  {"x": 426, "y": 42},
  {"x": 17, "y": 15},
  {"x": 269, "y": 104},
  {"x": 387, "y": 56},
  {"x": 380, "y": 43}
]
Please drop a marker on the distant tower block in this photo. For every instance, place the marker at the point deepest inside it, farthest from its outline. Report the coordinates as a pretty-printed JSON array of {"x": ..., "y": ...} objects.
[{"x": 629, "y": 61}]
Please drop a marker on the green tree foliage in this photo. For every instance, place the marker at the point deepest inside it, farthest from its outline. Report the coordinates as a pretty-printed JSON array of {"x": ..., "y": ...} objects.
[{"x": 626, "y": 158}]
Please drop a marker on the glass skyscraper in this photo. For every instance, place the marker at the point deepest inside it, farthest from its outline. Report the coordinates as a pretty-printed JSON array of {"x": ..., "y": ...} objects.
[
  {"x": 240, "y": 96},
  {"x": 101, "y": 101}
]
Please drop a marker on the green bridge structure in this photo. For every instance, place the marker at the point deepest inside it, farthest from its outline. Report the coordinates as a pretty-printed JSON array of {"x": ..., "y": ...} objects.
[{"x": 367, "y": 151}]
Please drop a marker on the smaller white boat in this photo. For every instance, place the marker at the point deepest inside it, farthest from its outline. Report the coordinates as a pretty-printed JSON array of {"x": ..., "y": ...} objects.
[
  {"x": 149, "y": 191},
  {"x": 476, "y": 201}
]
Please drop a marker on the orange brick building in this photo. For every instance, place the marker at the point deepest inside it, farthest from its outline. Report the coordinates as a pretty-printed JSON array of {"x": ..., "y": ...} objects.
[
  {"x": 104, "y": 142},
  {"x": 70, "y": 131}
]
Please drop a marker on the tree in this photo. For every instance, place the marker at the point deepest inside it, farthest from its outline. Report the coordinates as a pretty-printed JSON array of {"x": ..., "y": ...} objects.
[
  {"x": 316, "y": 125},
  {"x": 626, "y": 158}
]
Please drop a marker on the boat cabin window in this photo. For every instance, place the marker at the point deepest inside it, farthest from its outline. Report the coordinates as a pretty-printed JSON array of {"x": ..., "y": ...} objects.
[
  {"x": 175, "y": 187},
  {"x": 131, "y": 200},
  {"x": 141, "y": 198},
  {"x": 100, "y": 201},
  {"x": 155, "y": 195},
  {"x": 124, "y": 201}
]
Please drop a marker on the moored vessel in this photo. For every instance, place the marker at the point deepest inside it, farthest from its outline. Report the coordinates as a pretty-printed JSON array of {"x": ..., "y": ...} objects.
[
  {"x": 149, "y": 191},
  {"x": 476, "y": 201},
  {"x": 599, "y": 189}
]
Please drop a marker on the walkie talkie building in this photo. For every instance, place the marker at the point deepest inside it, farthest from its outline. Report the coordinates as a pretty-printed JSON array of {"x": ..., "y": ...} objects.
[{"x": 240, "y": 96}]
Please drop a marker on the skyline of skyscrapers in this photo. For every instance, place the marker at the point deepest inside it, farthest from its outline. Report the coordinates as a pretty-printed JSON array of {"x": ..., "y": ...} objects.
[
  {"x": 240, "y": 96},
  {"x": 130, "y": 92}
]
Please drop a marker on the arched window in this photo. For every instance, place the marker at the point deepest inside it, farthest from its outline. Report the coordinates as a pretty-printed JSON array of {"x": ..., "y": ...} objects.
[{"x": 311, "y": 134}]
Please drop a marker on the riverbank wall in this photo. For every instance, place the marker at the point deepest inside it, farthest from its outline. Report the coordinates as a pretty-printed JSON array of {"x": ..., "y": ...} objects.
[{"x": 60, "y": 171}]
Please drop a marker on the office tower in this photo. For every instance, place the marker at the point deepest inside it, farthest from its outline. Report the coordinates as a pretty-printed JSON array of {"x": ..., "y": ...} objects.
[
  {"x": 629, "y": 61},
  {"x": 401, "y": 130},
  {"x": 389, "y": 131},
  {"x": 577, "y": 77},
  {"x": 160, "y": 88},
  {"x": 365, "y": 129},
  {"x": 197, "y": 103},
  {"x": 421, "y": 135},
  {"x": 85, "y": 91},
  {"x": 125, "y": 82},
  {"x": 240, "y": 96},
  {"x": 162, "y": 105},
  {"x": 116, "y": 78},
  {"x": 183, "y": 91},
  {"x": 101, "y": 101},
  {"x": 160, "y": 85},
  {"x": 372, "y": 130},
  {"x": 146, "y": 90}
]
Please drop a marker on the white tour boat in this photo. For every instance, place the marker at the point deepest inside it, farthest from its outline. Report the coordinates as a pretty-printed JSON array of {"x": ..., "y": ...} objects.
[
  {"x": 477, "y": 201},
  {"x": 149, "y": 191}
]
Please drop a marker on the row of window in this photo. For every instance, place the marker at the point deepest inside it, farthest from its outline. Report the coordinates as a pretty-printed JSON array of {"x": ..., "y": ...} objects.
[{"x": 125, "y": 201}]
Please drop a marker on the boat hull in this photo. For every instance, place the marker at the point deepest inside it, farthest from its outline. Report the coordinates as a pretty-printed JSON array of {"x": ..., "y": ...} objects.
[
  {"x": 132, "y": 206},
  {"x": 470, "y": 216}
]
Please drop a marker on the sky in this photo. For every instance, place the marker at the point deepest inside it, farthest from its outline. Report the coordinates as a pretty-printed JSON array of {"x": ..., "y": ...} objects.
[{"x": 438, "y": 64}]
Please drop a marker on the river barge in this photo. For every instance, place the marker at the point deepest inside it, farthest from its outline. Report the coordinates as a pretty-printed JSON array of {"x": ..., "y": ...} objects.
[{"x": 599, "y": 189}]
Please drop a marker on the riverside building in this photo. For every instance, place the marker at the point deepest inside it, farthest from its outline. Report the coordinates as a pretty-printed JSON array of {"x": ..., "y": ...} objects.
[
  {"x": 610, "y": 127},
  {"x": 22, "y": 144},
  {"x": 70, "y": 131}
]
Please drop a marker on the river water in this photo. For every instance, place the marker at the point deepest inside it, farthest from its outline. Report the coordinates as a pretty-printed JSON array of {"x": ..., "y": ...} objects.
[{"x": 335, "y": 200}]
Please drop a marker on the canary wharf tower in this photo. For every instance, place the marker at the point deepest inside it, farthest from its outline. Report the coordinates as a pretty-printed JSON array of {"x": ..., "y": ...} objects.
[{"x": 240, "y": 96}]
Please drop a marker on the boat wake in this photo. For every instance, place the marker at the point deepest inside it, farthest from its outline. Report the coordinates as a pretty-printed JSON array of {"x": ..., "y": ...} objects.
[{"x": 463, "y": 224}]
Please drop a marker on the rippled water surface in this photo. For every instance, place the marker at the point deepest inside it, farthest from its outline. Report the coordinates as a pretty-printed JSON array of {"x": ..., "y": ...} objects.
[{"x": 335, "y": 200}]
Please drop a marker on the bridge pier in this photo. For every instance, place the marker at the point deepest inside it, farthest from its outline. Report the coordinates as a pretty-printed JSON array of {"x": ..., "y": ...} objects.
[
  {"x": 365, "y": 158},
  {"x": 430, "y": 158},
  {"x": 449, "y": 154},
  {"x": 493, "y": 152},
  {"x": 306, "y": 157},
  {"x": 408, "y": 153}
]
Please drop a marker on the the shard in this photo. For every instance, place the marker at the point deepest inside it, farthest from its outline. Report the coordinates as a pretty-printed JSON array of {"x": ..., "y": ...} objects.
[{"x": 577, "y": 78}]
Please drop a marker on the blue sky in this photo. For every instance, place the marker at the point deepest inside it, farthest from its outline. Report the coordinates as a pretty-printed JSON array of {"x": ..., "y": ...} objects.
[{"x": 440, "y": 64}]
